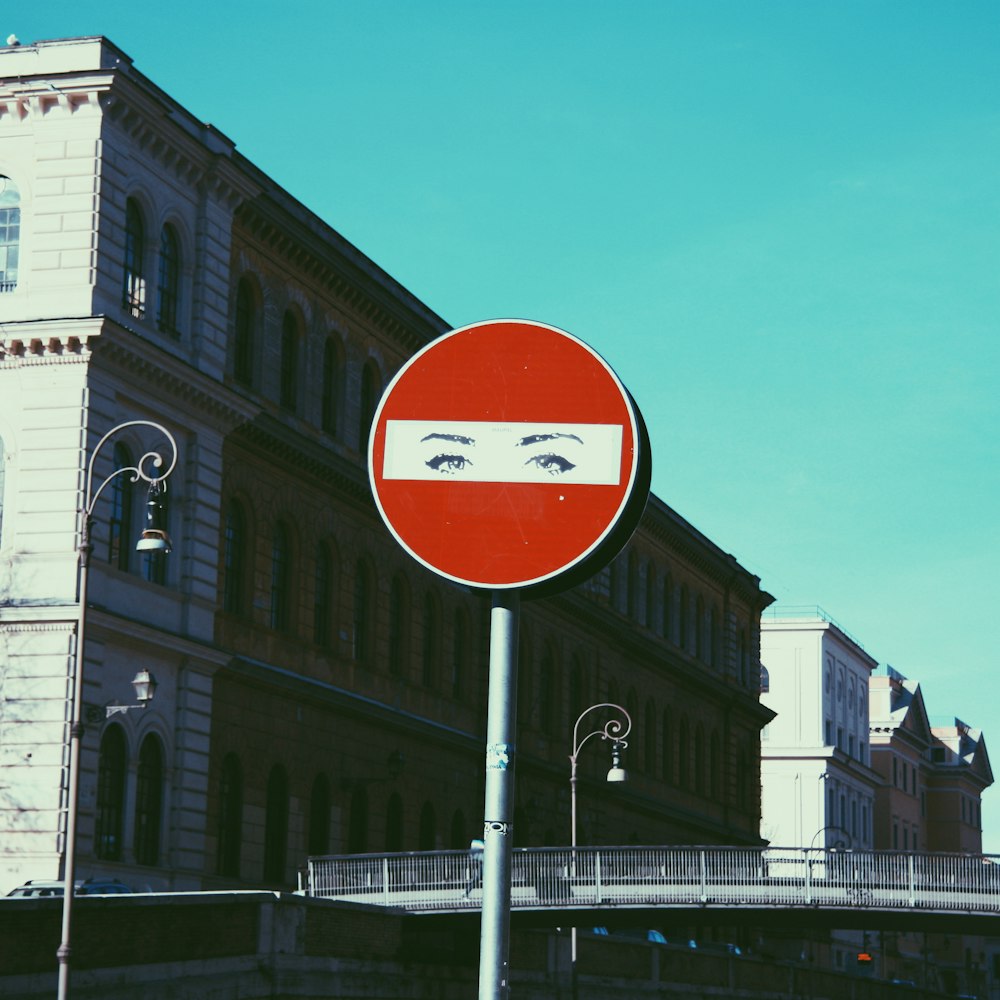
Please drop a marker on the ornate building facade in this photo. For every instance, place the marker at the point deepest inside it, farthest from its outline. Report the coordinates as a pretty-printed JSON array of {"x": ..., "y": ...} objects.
[{"x": 319, "y": 692}]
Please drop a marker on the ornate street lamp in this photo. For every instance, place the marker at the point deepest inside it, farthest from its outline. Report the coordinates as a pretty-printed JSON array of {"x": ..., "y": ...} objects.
[
  {"x": 154, "y": 539},
  {"x": 616, "y": 730}
]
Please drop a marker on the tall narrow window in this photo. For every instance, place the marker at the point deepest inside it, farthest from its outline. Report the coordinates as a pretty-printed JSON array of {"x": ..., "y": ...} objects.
[
  {"x": 276, "y": 825},
  {"x": 230, "y": 839},
  {"x": 289, "y": 373},
  {"x": 714, "y": 638},
  {"x": 684, "y": 616},
  {"x": 460, "y": 654},
  {"x": 432, "y": 641},
  {"x": 699, "y": 629},
  {"x": 668, "y": 608},
  {"x": 667, "y": 749},
  {"x": 699, "y": 759},
  {"x": 230, "y": 817},
  {"x": 357, "y": 828},
  {"x": 323, "y": 597},
  {"x": 319, "y": 816},
  {"x": 243, "y": 347},
  {"x": 577, "y": 688},
  {"x": 715, "y": 766},
  {"x": 369, "y": 400},
  {"x": 148, "y": 801},
  {"x": 399, "y": 618},
  {"x": 650, "y": 611},
  {"x": 120, "y": 525},
  {"x": 632, "y": 586},
  {"x": 364, "y": 600},
  {"x": 134, "y": 275},
  {"x": 10, "y": 233},
  {"x": 649, "y": 738},
  {"x": 234, "y": 560},
  {"x": 281, "y": 578},
  {"x": 330, "y": 390},
  {"x": 169, "y": 283},
  {"x": 110, "y": 795},
  {"x": 684, "y": 755},
  {"x": 547, "y": 692}
]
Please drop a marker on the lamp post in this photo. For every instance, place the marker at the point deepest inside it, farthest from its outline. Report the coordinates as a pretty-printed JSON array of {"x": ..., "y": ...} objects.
[
  {"x": 154, "y": 538},
  {"x": 616, "y": 730}
]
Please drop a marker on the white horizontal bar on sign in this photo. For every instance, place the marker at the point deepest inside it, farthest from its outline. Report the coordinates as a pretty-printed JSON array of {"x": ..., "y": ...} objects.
[{"x": 480, "y": 451}]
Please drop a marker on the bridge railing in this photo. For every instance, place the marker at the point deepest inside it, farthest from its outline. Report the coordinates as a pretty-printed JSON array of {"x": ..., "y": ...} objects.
[{"x": 437, "y": 881}]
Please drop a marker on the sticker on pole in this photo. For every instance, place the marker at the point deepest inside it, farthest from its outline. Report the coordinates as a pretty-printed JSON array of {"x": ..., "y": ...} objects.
[{"x": 508, "y": 454}]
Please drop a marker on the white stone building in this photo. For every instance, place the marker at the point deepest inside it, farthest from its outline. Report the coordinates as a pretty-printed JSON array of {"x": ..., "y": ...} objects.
[{"x": 817, "y": 785}]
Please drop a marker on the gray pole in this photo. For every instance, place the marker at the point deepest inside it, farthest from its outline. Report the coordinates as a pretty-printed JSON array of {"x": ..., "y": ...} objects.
[{"x": 494, "y": 979}]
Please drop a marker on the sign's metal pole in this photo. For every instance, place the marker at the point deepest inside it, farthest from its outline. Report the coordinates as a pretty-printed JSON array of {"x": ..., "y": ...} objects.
[{"x": 494, "y": 971}]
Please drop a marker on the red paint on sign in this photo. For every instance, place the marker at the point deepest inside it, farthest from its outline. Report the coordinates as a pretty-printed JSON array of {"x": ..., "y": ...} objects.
[{"x": 504, "y": 534}]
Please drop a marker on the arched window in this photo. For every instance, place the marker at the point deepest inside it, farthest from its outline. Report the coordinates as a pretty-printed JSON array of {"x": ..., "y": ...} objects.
[
  {"x": 148, "y": 801},
  {"x": 685, "y": 618},
  {"x": 765, "y": 680},
  {"x": 428, "y": 829},
  {"x": 369, "y": 400},
  {"x": 684, "y": 754},
  {"x": 650, "y": 616},
  {"x": 10, "y": 233},
  {"x": 230, "y": 817},
  {"x": 399, "y": 620},
  {"x": 357, "y": 827},
  {"x": 330, "y": 388},
  {"x": 394, "y": 823},
  {"x": 649, "y": 738},
  {"x": 246, "y": 321},
  {"x": 364, "y": 612},
  {"x": 431, "y": 653},
  {"x": 281, "y": 578},
  {"x": 319, "y": 816},
  {"x": 460, "y": 653},
  {"x": 110, "y": 795},
  {"x": 668, "y": 608},
  {"x": 120, "y": 524},
  {"x": 169, "y": 284},
  {"x": 134, "y": 272},
  {"x": 289, "y": 371},
  {"x": 276, "y": 825},
  {"x": 667, "y": 748},
  {"x": 547, "y": 689},
  {"x": 323, "y": 597},
  {"x": 234, "y": 561}
]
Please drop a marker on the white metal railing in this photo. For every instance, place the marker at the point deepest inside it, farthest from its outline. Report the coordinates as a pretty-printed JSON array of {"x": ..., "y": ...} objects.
[{"x": 548, "y": 877}]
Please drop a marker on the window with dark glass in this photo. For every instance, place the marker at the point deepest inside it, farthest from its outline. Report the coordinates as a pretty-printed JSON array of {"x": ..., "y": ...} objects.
[
  {"x": 427, "y": 834},
  {"x": 460, "y": 654},
  {"x": 281, "y": 578},
  {"x": 432, "y": 641},
  {"x": 394, "y": 823},
  {"x": 649, "y": 738},
  {"x": 667, "y": 748},
  {"x": 668, "y": 608},
  {"x": 364, "y": 600},
  {"x": 234, "y": 560},
  {"x": 330, "y": 389},
  {"x": 148, "y": 801},
  {"x": 650, "y": 616},
  {"x": 168, "y": 286},
  {"x": 110, "y": 795},
  {"x": 369, "y": 400},
  {"x": 319, "y": 816},
  {"x": 154, "y": 564},
  {"x": 357, "y": 827},
  {"x": 230, "y": 840},
  {"x": 399, "y": 613},
  {"x": 699, "y": 629},
  {"x": 120, "y": 522},
  {"x": 547, "y": 691},
  {"x": 134, "y": 276},
  {"x": 684, "y": 616},
  {"x": 243, "y": 347},
  {"x": 10, "y": 233},
  {"x": 289, "y": 370},
  {"x": 276, "y": 825},
  {"x": 323, "y": 597}
]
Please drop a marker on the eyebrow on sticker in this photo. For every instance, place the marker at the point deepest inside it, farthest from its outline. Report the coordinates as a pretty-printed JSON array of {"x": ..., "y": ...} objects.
[
  {"x": 536, "y": 438},
  {"x": 456, "y": 438}
]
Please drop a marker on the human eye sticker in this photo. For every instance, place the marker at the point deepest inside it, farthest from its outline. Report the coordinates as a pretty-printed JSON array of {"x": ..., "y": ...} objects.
[{"x": 486, "y": 452}]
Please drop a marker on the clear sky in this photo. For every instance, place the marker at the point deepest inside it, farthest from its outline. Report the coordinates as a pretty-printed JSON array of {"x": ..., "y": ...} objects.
[{"x": 779, "y": 221}]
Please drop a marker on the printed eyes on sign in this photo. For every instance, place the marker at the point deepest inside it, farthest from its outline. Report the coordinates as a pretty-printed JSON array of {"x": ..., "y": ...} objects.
[
  {"x": 448, "y": 465},
  {"x": 554, "y": 465}
]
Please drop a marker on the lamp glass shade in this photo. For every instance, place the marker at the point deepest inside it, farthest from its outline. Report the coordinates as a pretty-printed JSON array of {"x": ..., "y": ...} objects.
[
  {"x": 617, "y": 774},
  {"x": 153, "y": 540},
  {"x": 145, "y": 686}
]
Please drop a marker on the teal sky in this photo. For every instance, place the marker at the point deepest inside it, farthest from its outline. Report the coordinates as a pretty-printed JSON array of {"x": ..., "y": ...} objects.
[{"x": 778, "y": 221}]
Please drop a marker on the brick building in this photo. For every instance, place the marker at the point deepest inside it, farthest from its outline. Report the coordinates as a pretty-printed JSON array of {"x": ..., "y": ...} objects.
[{"x": 318, "y": 690}]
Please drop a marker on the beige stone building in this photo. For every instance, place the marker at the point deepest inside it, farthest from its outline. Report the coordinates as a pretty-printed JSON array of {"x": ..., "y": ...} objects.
[{"x": 318, "y": 690}]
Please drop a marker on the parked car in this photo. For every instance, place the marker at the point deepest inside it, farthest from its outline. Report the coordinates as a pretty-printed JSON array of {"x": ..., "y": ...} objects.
[{"x": 38, "y": 888}]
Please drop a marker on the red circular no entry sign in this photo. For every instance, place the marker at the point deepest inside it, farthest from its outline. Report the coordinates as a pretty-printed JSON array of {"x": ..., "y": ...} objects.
[{"x": 508, "y": 454}]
